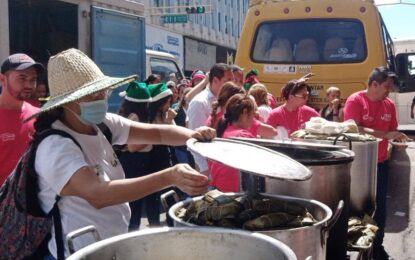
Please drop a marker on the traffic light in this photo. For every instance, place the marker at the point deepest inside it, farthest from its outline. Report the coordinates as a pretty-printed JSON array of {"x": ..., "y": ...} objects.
[
  {"x": 195, "y": 10},
  {"x": 200, "y": 9}
]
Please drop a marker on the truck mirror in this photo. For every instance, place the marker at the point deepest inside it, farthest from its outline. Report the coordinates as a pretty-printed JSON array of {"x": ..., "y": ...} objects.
[
  {"x": 406, "y": 71},
  {"x": 405, "y": 64}
]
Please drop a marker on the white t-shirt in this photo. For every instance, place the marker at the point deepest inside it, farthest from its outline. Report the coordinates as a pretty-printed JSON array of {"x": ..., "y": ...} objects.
[
  {"x": 58, "y": 158},
  {"x": 198, "y": 112},
  {"x": 263, "y": 111}
]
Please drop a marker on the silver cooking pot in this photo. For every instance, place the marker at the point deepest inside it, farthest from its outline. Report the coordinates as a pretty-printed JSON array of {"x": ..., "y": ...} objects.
[
  {"x": 307, "y": 242},
  {"x": 362, "y": 173},
  {"x": 329, "y": 184},
  {"x": 187, "y": 244}
]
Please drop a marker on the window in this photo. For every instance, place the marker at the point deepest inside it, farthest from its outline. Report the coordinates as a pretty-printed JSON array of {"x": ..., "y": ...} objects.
[
  {"x": 163, "y": 68},
  {"x": 411, "y": 64},
  {"x": 310, "y": 42},
  {"x": 232, "y": 29},
  {"x": 226, "y": 24},
  {"x": 219, "y": 24}
]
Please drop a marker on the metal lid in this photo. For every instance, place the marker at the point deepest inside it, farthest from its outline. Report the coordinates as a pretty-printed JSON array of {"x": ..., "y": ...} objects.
[
  {"x": 290, "y": 143},
  {"x": 305, "y": 152},
  {"x": 251, "y": 158}
]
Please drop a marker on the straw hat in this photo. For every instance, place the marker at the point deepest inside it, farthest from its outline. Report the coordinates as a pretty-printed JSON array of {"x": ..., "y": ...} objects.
[{"x": 73, "y": 75}]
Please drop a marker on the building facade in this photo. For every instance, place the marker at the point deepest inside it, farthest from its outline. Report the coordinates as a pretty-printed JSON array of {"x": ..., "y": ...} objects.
[
  {"x": 208, "y": 37},
  {"x": 43, "y": 28}
]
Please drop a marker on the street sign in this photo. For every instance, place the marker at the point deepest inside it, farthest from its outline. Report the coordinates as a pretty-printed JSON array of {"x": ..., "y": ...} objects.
[{"x": 174, "y": 18}]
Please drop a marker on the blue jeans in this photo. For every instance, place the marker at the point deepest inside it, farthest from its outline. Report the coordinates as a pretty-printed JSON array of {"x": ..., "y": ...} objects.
[{"x": 49, "y": 257}]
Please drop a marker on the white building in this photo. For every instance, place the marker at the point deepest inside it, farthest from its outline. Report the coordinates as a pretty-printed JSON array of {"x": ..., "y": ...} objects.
[{"x": 404, "y": 45}]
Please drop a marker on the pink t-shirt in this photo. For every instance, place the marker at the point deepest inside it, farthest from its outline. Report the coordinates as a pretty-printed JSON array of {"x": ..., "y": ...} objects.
[
  {"x": 254, "y": 127},
  {"x": 292, "y": 121},
  {"x": 378, "y": 115},
  {"x": 14, "y": 137},
  {"x": 224, "y": 178}
]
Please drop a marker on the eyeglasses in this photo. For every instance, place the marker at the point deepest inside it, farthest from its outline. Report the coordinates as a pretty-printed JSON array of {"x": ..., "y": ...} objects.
[{"x": 303, "y": 96}]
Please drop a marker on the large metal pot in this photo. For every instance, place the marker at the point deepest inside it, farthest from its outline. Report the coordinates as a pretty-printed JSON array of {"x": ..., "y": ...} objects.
[
  {"x": 362, "y": 174},
  {"x": 329, "y": 184},
  {"x": 306, "y": 242},
  {"x": 187, "y": 243}
]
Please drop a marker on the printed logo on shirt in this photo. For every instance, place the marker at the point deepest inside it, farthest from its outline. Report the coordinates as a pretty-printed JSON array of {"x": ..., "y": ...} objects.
[
  {"x": 367, "y": 118},
  {"x": 115, "y": 161},
  {"x": 5, "y": 137},
  {"x": 386, "y": 117}
]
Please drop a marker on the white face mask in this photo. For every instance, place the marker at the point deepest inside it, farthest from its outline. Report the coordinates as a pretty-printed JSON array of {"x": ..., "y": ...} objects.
[{"x": 92, "y": 112}]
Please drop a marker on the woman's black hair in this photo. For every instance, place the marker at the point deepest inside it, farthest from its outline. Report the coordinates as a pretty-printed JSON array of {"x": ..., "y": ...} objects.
[
  {"x": 151, "y": 78},
  {"x": 46, "y": 119},
  {"x": 293, "y": 87},
  {"x": 154, "y": 108},
  {"x": 140, "y": 108}
]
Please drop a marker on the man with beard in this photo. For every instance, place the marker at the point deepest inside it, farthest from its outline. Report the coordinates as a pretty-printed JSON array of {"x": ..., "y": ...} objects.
[
  {"x": 375, "y": 114},
  {"x": 18, "y": 78}
]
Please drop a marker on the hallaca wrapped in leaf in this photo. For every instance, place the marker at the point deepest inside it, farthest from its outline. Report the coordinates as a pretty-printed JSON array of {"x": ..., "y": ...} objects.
[
  {"x": 253, "y": 212},
  {"x": 267, "y": 205},
  {"x": 269, "y": 221}
]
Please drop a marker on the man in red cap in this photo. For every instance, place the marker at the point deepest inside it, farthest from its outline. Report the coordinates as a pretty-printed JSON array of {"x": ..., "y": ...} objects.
[{"x": 18, "y": 78}]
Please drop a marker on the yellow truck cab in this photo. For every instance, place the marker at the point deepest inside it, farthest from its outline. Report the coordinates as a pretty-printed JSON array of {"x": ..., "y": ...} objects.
[{"x": 339, "y": 41}]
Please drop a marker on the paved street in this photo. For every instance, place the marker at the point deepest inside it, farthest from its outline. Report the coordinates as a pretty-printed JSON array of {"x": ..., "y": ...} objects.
[{"x": 400, "y": 234}]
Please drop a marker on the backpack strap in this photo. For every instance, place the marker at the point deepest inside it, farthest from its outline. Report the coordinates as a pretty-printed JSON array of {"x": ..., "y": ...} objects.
[
  {"x": 106, "y": 131},
  {"x": 55, "y": 212},
  {"x": 57, "y": 223}
]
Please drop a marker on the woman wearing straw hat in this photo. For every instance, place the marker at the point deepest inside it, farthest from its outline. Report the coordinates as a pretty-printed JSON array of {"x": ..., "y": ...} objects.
[{"x": 91, "y": 181}]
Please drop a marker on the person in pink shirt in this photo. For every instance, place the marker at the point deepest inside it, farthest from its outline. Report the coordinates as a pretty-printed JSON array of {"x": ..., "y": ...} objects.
[
  {"x": 237, "y": 121},
  {"x": 228, "y": 90},
  {"x": 293, "y": 114},
  {"x": 375, "y": 114},
  {"x": 18, "y": 79}
]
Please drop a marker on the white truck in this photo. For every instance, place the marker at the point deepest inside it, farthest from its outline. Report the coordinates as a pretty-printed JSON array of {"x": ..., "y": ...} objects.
[
  {"x": 162, "y": 63},
  {"x": 405, "y": 54}
]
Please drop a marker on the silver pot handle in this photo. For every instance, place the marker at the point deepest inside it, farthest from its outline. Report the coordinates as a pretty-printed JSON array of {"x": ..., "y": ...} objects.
[
  {"x": 79, "y": 232},
  {"x": 331, "y": 222},
  {"x": 345, "y": 137},
  {"x": 163, "y": 198}
]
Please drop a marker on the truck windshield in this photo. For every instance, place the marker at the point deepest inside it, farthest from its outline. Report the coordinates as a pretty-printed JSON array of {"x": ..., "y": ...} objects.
[
  {"x": 317, "y": 41},
  {"x": 164, "y": 68}
]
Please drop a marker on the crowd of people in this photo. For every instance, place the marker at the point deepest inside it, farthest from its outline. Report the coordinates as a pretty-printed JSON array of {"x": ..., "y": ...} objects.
[{"x": 147, "y": 152}]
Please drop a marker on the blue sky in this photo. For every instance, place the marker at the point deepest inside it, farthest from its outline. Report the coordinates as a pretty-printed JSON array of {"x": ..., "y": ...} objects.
[{"x": 399, "y": 19}]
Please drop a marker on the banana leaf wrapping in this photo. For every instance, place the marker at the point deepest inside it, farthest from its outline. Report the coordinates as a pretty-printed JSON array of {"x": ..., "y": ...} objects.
[
  {"x": 246, "y": 212},
  {"x": 267, "y": 221},
  {"x": 361, "y": 232}
]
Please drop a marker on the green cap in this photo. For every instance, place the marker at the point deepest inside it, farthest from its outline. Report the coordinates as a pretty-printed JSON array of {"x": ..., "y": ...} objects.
[
  {"x": 137, "y": 92},
  {"x": 159, "y": 91}
]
